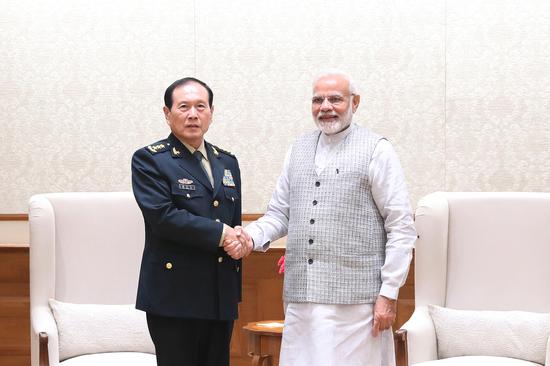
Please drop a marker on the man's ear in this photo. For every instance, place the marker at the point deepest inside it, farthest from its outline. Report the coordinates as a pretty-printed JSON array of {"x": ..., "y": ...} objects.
[
  {"x": 355, "y": 102},
  {"x": 166, "y": 114}
]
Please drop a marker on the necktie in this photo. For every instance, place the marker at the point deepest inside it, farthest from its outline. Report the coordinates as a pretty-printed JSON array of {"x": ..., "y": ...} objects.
[{"x": 198, "y": 155}]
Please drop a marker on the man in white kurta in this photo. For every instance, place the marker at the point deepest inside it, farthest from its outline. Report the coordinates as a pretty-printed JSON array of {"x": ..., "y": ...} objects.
[{"x": 351, "y": 236}]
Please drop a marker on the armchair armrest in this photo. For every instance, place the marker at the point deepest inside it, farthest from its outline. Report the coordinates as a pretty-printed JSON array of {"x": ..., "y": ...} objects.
[
  {"x": 401, "y": 347},
  {"x": 43, "y": 357},
  {"x": 547, "y": 362},
  {"x": 418, "y": 341},
  {"x": 44, "y": 337}
]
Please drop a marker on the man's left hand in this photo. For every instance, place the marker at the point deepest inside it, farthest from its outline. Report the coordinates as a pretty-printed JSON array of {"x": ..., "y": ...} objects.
[
  {"x": 245, "y": 239},
  {"x": 384, "y": 314}
]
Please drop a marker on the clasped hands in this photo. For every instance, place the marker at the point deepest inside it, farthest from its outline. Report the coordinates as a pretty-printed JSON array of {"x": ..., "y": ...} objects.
[{"x": 237, "y": 243}]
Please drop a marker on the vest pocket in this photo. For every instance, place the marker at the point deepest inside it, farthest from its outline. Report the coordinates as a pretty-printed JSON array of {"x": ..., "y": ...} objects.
[{"x": 363, "y": 260}]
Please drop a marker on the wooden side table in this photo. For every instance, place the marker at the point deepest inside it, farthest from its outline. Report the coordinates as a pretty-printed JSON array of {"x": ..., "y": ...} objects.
[{"x": 264, "y": 342}]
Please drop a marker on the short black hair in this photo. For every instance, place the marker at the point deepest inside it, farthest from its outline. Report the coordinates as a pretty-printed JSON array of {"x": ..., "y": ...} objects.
[{"x": 170, "y": 90}]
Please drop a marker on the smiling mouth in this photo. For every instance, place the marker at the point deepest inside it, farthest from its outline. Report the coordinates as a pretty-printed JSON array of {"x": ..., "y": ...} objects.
[{"x": 327, "y": 117}]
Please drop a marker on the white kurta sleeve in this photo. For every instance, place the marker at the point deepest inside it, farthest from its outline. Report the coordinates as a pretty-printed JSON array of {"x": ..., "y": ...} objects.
[
  {"x": 390, "y": 194},
  {"x": 274, "y": 224}
]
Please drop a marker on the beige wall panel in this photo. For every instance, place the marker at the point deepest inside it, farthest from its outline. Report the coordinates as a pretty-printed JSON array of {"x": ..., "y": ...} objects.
[
  {"x": 261, "y": 57},
  {"x": 498, "y": 95},
  {"x": 81, "y": 87},
  {"x": 14, "y": 232}
]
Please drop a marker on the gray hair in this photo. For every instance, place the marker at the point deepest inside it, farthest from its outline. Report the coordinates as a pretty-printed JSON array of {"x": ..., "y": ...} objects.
[{"x": 336, "y": 72}]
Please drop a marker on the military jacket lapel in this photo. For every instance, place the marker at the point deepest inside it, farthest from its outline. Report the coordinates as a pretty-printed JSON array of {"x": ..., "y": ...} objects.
[
  {"x": 188, "y": 162},
  {"x": 216, "y": 165}
]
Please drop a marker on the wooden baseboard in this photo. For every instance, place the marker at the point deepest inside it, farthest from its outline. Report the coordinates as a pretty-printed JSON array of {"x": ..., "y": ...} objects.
[{"x": 14, "y": 217}]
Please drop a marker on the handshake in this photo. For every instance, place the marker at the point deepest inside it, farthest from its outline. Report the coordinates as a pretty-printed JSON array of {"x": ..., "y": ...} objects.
[{"x": 237, "y": 243}]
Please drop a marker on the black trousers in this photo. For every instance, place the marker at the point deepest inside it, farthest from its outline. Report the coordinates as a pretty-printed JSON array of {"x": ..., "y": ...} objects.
[{"x": 190, "y": 342}]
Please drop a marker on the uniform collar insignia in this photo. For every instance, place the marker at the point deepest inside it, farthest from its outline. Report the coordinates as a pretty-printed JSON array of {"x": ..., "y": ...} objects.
[{"x": 176, "y": 152}]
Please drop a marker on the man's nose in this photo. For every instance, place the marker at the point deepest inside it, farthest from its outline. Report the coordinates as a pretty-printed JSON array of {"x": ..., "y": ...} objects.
[
  {"x": 326, "y": 106},
  {"x": 192, "y": 113}
]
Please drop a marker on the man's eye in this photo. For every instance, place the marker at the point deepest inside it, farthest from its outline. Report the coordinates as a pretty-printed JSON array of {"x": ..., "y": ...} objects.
[{"x": 317, "y": 100}]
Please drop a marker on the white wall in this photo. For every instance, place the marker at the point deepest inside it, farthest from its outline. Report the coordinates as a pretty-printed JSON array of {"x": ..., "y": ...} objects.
[{"x": 461, "y": 87}]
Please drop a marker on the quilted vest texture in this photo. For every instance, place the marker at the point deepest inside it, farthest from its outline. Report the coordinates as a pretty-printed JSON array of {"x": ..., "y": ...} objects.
[{"x": 336, "y": 238}]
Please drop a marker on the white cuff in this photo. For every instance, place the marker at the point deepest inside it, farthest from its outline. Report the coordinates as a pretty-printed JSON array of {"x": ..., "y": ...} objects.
[{"x": 388, "y": 291}]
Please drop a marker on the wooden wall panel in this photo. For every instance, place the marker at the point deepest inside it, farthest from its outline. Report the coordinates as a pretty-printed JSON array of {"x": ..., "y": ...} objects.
[
  {"x": 14, "y": 305},
  {"x": 262, "y": 299},
  {"x": 405, "y": 302}
]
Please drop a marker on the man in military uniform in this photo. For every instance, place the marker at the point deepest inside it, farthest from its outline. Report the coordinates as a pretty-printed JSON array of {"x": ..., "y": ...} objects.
[{"x": 189, "y": 192}]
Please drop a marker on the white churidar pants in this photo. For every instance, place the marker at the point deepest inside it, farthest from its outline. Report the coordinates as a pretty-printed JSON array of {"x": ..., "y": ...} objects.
[{"x": 333, "y": 335}]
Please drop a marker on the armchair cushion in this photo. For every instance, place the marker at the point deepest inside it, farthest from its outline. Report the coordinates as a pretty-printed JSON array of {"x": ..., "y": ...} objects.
[
  {"x": 478, "y": 360},
  {"x": 89, "y": 328},
  {"x": 515, "y": 334},
  {"x": 112, "y": 359}
]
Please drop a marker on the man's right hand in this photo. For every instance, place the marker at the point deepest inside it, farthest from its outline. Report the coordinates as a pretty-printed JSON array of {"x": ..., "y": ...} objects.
[{"x": 237, "y": 242}]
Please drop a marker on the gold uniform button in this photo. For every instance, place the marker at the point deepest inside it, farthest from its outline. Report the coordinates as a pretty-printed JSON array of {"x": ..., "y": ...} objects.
[
  {"x": 220, "y": 259},
  {"x": 216, "y": 203},
  {"x": 168, "y": 265}
]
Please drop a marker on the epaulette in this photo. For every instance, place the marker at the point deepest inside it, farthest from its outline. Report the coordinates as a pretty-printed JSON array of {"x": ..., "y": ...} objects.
[
  {"x": 218, "y": 150},
  {"x": 158, "y": 147}
]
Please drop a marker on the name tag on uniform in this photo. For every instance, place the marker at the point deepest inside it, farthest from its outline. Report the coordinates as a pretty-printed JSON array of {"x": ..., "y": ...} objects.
[
  {"x": 188, "y": 187},
  {"x": 228, "y": 178},
  {"x": 186, "y": 184}
]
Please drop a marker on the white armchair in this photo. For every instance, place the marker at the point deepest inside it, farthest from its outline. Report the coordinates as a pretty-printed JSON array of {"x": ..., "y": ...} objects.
[
  {"x": 85, "y": 252},
  {"x": 483, "y": 260}
]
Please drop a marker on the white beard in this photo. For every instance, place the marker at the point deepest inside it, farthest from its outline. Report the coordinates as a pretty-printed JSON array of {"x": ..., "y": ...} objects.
[
  {"x": 330, "y": 128},
  {"x": 338, "y": 125}
]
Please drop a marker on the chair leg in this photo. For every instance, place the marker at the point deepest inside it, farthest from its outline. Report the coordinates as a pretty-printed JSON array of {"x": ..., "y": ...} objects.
[
  {"x": 261, "y": 360},
  {"x": 401, "y": 348},
  {"x": 43, "y": 357}
]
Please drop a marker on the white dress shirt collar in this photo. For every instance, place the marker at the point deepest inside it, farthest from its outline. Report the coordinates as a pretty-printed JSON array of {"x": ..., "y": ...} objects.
[
  {"x": 327, "y": 145},
  {"x": 337, "y": 137},
  {"x": 201, "y": 148}
]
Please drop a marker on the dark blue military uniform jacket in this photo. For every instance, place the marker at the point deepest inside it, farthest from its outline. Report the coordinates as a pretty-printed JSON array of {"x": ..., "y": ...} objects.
[{"x": 184, "y": 273}]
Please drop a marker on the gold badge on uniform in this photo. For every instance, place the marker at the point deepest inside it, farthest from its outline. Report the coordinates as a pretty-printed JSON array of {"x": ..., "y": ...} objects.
[{"x": 228, "y": 178}]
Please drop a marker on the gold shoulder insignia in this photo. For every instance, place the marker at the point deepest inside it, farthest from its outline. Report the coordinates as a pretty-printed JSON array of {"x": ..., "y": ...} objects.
[{"x": 158, "y": 147}]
